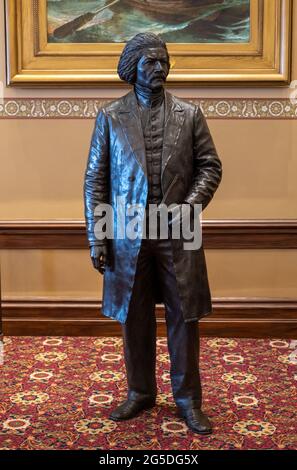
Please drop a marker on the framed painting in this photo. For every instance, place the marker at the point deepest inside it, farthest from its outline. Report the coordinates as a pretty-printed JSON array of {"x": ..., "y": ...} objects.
[{"x": 211, "y": 42}]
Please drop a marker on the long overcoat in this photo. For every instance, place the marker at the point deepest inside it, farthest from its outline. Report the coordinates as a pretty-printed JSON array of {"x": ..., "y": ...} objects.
[{"x": 191, "y": 172}]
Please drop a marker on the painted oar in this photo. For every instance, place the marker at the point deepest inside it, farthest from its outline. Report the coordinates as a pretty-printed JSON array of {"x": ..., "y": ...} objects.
[{"x": 73, "y": 25}]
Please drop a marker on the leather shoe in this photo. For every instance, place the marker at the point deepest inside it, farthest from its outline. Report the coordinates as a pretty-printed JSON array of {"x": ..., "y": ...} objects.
[
  {"x": 130, "y": 409},
  {"x": 196, "y": 420}
]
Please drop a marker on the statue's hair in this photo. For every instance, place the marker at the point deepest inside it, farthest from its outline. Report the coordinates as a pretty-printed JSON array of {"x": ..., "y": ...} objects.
[{"x": 133, "y": 51}]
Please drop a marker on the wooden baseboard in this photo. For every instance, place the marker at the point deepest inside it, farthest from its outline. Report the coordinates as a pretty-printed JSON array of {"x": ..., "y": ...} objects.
[{"x": 232, "y": 317}]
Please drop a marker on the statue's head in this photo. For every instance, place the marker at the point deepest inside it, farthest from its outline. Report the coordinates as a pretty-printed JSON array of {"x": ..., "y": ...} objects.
[{"x": 144, "y": 60}]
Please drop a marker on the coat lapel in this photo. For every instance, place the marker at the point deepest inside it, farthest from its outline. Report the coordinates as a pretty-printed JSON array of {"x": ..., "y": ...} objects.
[
  {"x": 130, "y": 121},
  {"x": 173, "y": 123}
]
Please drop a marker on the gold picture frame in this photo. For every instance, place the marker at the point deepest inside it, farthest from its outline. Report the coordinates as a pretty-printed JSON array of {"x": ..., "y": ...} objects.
[{"x": 264, "y": 60}]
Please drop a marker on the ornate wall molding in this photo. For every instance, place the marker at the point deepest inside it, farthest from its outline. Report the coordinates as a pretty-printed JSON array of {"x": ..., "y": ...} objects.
[{"x": 87, "y": 108}]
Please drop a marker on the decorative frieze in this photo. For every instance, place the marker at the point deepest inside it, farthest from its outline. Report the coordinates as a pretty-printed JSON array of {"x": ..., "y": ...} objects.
[{"x": 87, "y": 108}]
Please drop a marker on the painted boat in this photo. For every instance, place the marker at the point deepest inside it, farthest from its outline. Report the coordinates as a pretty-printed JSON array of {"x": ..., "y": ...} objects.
[{"x": 175, "y": 10}]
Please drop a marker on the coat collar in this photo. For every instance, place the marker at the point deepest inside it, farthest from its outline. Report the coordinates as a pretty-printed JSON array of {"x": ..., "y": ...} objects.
[{"x": 131, "y": 123}]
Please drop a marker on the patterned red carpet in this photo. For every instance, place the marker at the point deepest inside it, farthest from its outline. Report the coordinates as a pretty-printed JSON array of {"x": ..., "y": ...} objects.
[{"x": 59, "y": 392}]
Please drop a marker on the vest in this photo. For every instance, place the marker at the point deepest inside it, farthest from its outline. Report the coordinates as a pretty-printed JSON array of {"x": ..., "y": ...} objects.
[
  {"x": 152, "y": 120},
  {"x": 153, "y": 129}
]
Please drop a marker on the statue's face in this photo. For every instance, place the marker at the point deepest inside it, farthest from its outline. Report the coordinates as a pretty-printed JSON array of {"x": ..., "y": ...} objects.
[{"x": 152, "y": 68}]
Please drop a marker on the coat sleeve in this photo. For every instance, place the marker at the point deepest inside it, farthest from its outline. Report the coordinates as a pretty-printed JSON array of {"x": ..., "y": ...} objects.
[
  {"x": 96, "y": 183},
  {"x": 207, "y": 167}
]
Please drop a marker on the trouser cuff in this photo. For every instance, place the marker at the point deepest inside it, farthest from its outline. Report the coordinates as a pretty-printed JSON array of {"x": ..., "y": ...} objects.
[
  {"x": 185, "y": 404},
  {"x": 140, "y": 397}
]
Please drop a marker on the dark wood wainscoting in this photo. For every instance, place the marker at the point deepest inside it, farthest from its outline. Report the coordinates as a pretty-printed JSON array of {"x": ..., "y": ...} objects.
[
  {"x": 232, "y": 317},
  {"x": 247, "y": 317},
  {"x": 217, "y": 234}
]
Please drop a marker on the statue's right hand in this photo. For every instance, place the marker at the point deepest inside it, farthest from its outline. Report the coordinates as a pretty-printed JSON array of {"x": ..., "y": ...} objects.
[{"x": 99, "y": 257}]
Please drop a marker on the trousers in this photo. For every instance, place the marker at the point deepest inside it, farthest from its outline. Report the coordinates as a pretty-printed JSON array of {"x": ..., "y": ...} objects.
[{"x": 139, "y": 331}]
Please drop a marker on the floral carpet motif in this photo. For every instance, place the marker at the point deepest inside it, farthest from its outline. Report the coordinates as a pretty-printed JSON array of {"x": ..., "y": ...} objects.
[{"x": 58, "y": 393}]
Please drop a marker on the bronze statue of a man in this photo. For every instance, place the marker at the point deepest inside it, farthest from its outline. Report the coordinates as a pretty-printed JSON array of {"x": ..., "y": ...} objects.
[{"x": 150, "y": 148}]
